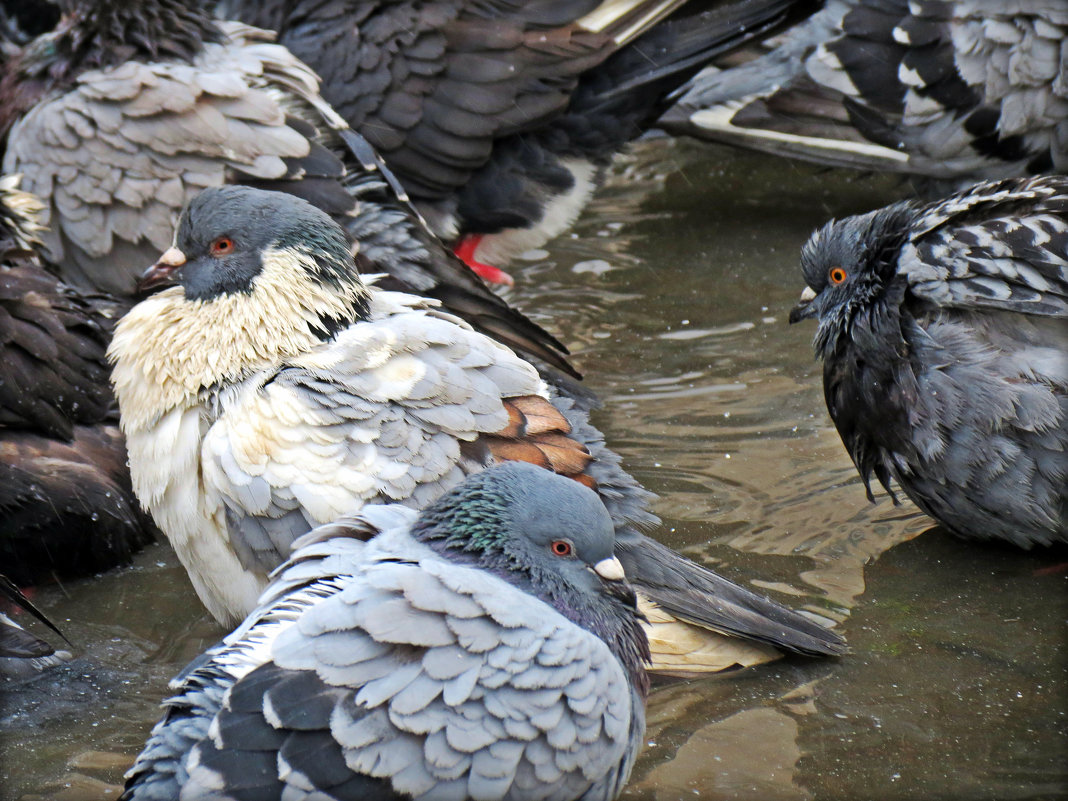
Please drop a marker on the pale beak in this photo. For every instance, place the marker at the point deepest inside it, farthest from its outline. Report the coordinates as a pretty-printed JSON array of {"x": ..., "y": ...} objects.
[
  {"x": 162, "y": 272},
  {"x": 803, "y": 310},
  {"x": 611, "y": 569}
]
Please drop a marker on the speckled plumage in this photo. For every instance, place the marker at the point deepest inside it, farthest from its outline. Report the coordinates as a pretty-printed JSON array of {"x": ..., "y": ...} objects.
[
  {"x": 447, "y": 654},
  {"x": 945, "y": 353},
  {"x": 957, "y": 90},
  {"x": 264, "y": 429}
]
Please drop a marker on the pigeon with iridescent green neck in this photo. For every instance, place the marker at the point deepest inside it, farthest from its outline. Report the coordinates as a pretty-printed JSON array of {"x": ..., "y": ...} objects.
[{"x": 486, "y": 648}]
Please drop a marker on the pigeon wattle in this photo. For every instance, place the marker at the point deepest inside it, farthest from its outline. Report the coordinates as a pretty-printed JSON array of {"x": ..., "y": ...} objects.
[
  {"x": 486, "y": 647},
  {"x": 270, "y": 389},
  {"x": 956, "y": 91},
  {"x": 943, "y": 330}
]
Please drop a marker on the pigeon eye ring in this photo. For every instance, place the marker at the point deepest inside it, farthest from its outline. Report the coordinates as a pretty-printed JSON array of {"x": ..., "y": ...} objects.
[
  {"x": 561, "y": 547},
  {"x": 222, "y": 246},
  {"x": 837, "y": 275}
]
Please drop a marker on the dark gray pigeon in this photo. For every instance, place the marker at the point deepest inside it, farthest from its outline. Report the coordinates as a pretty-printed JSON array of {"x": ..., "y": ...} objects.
[
  {"x": 943, "y": 330},
  {"x": 955, "y": 90},
  {"x": 500, "y": 117},
  {"x": 486, "y": 648}
]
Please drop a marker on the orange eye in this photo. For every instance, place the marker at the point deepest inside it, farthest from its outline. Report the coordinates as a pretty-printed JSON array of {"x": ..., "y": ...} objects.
[
  {"x": 222, "y": 246},
  {"x": 837, "y": 275},
  {"x": 561, "y": 547}
]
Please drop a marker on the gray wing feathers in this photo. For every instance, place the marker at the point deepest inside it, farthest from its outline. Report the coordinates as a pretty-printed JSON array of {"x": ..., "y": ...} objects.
[
  {"x": 1000, "y": 467},
  {"x": 378, "y": 415},
  {"x": 154, "y": 135},
  {"x": 473, "y": 686},
  {"x": 944, "y": 89},
  {"x": 966, "y": 253}
]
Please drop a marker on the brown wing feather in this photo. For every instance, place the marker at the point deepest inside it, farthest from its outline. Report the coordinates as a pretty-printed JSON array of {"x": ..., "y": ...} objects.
[
  {"x": 510, "y": 450},
  {"x": 540, "y": 415},
  {"x": 567, "y": 456},
  {"x": 537, "y": 433}
]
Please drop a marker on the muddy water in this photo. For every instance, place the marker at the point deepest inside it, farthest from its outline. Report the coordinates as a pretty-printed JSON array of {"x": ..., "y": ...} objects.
[{"x": 673, "y": 293}]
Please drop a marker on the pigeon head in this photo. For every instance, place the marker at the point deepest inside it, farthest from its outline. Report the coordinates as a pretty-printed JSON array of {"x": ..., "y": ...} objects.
[
  {"x": 527, "y": 520},
  {"x": 253, "y": 278},
  {"x": 548, "y": 535},
  {"x": 848, "y": 266},
  {"x": 228, "y": 236}
]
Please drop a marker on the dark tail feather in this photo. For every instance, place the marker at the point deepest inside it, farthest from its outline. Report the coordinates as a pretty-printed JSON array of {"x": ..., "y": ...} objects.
[
  {"x": 697, "y": 595},
  {"x": 633, "y": 86},
  {"x": 14, "y": 594},
  {"x": 372, "y": 162}
]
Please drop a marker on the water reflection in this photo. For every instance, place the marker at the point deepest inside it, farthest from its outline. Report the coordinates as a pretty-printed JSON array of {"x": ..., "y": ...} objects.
[{"x": 673, "y": 293}]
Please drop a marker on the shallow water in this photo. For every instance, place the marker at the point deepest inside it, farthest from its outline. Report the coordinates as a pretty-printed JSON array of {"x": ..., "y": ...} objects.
[{"x": 673, "y": 294}]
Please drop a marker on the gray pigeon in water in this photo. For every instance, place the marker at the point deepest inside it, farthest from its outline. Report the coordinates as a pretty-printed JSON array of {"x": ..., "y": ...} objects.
[
  {"x": 270, "y": 388},
  {"x": 943, "y": 330},
  {"x": 955, "y": 90},
  {"x": 500, "y": 117},
  {"x": 485, "y": 648}
]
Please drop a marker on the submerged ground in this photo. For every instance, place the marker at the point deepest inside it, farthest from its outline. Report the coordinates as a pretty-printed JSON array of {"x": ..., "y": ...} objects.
[{"x": 673, "y": 294}]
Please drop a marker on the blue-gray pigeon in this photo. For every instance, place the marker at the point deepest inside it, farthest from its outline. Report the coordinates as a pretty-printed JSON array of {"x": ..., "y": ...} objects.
[
  {"x": 943, "y": 330},
  {"x": 487, "y": 647}
]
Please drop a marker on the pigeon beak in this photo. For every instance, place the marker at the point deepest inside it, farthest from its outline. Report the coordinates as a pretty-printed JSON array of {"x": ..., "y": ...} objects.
[
  {"x": 803, "y": 310},
  {"x": 611, "y": 569},
  {"x": 162, "y": 273}
]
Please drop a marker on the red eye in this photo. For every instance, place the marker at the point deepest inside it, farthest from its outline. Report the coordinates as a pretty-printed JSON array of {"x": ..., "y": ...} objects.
[
  {"x": 837, "y": 275},
  {"x": 561, "y": 547},
  {"x": 222, "y": 246}
]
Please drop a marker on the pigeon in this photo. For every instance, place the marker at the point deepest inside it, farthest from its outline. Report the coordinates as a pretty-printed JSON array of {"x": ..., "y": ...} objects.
[
  {"x": 487, "y": 647},
  {"x": 943, "y": 330},
  {"x": 267, "y": 388},
  {"x": 24, "y": 655},
  {"x": 127, "y": 110},
  {"x": 949, "y": 91},
  {"x": 67, "y": 508},
  {"x": 500, "y": 117}
]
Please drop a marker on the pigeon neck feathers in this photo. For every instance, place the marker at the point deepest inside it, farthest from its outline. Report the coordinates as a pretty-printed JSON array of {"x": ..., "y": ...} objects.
[{"x": 105, "y": 33}]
